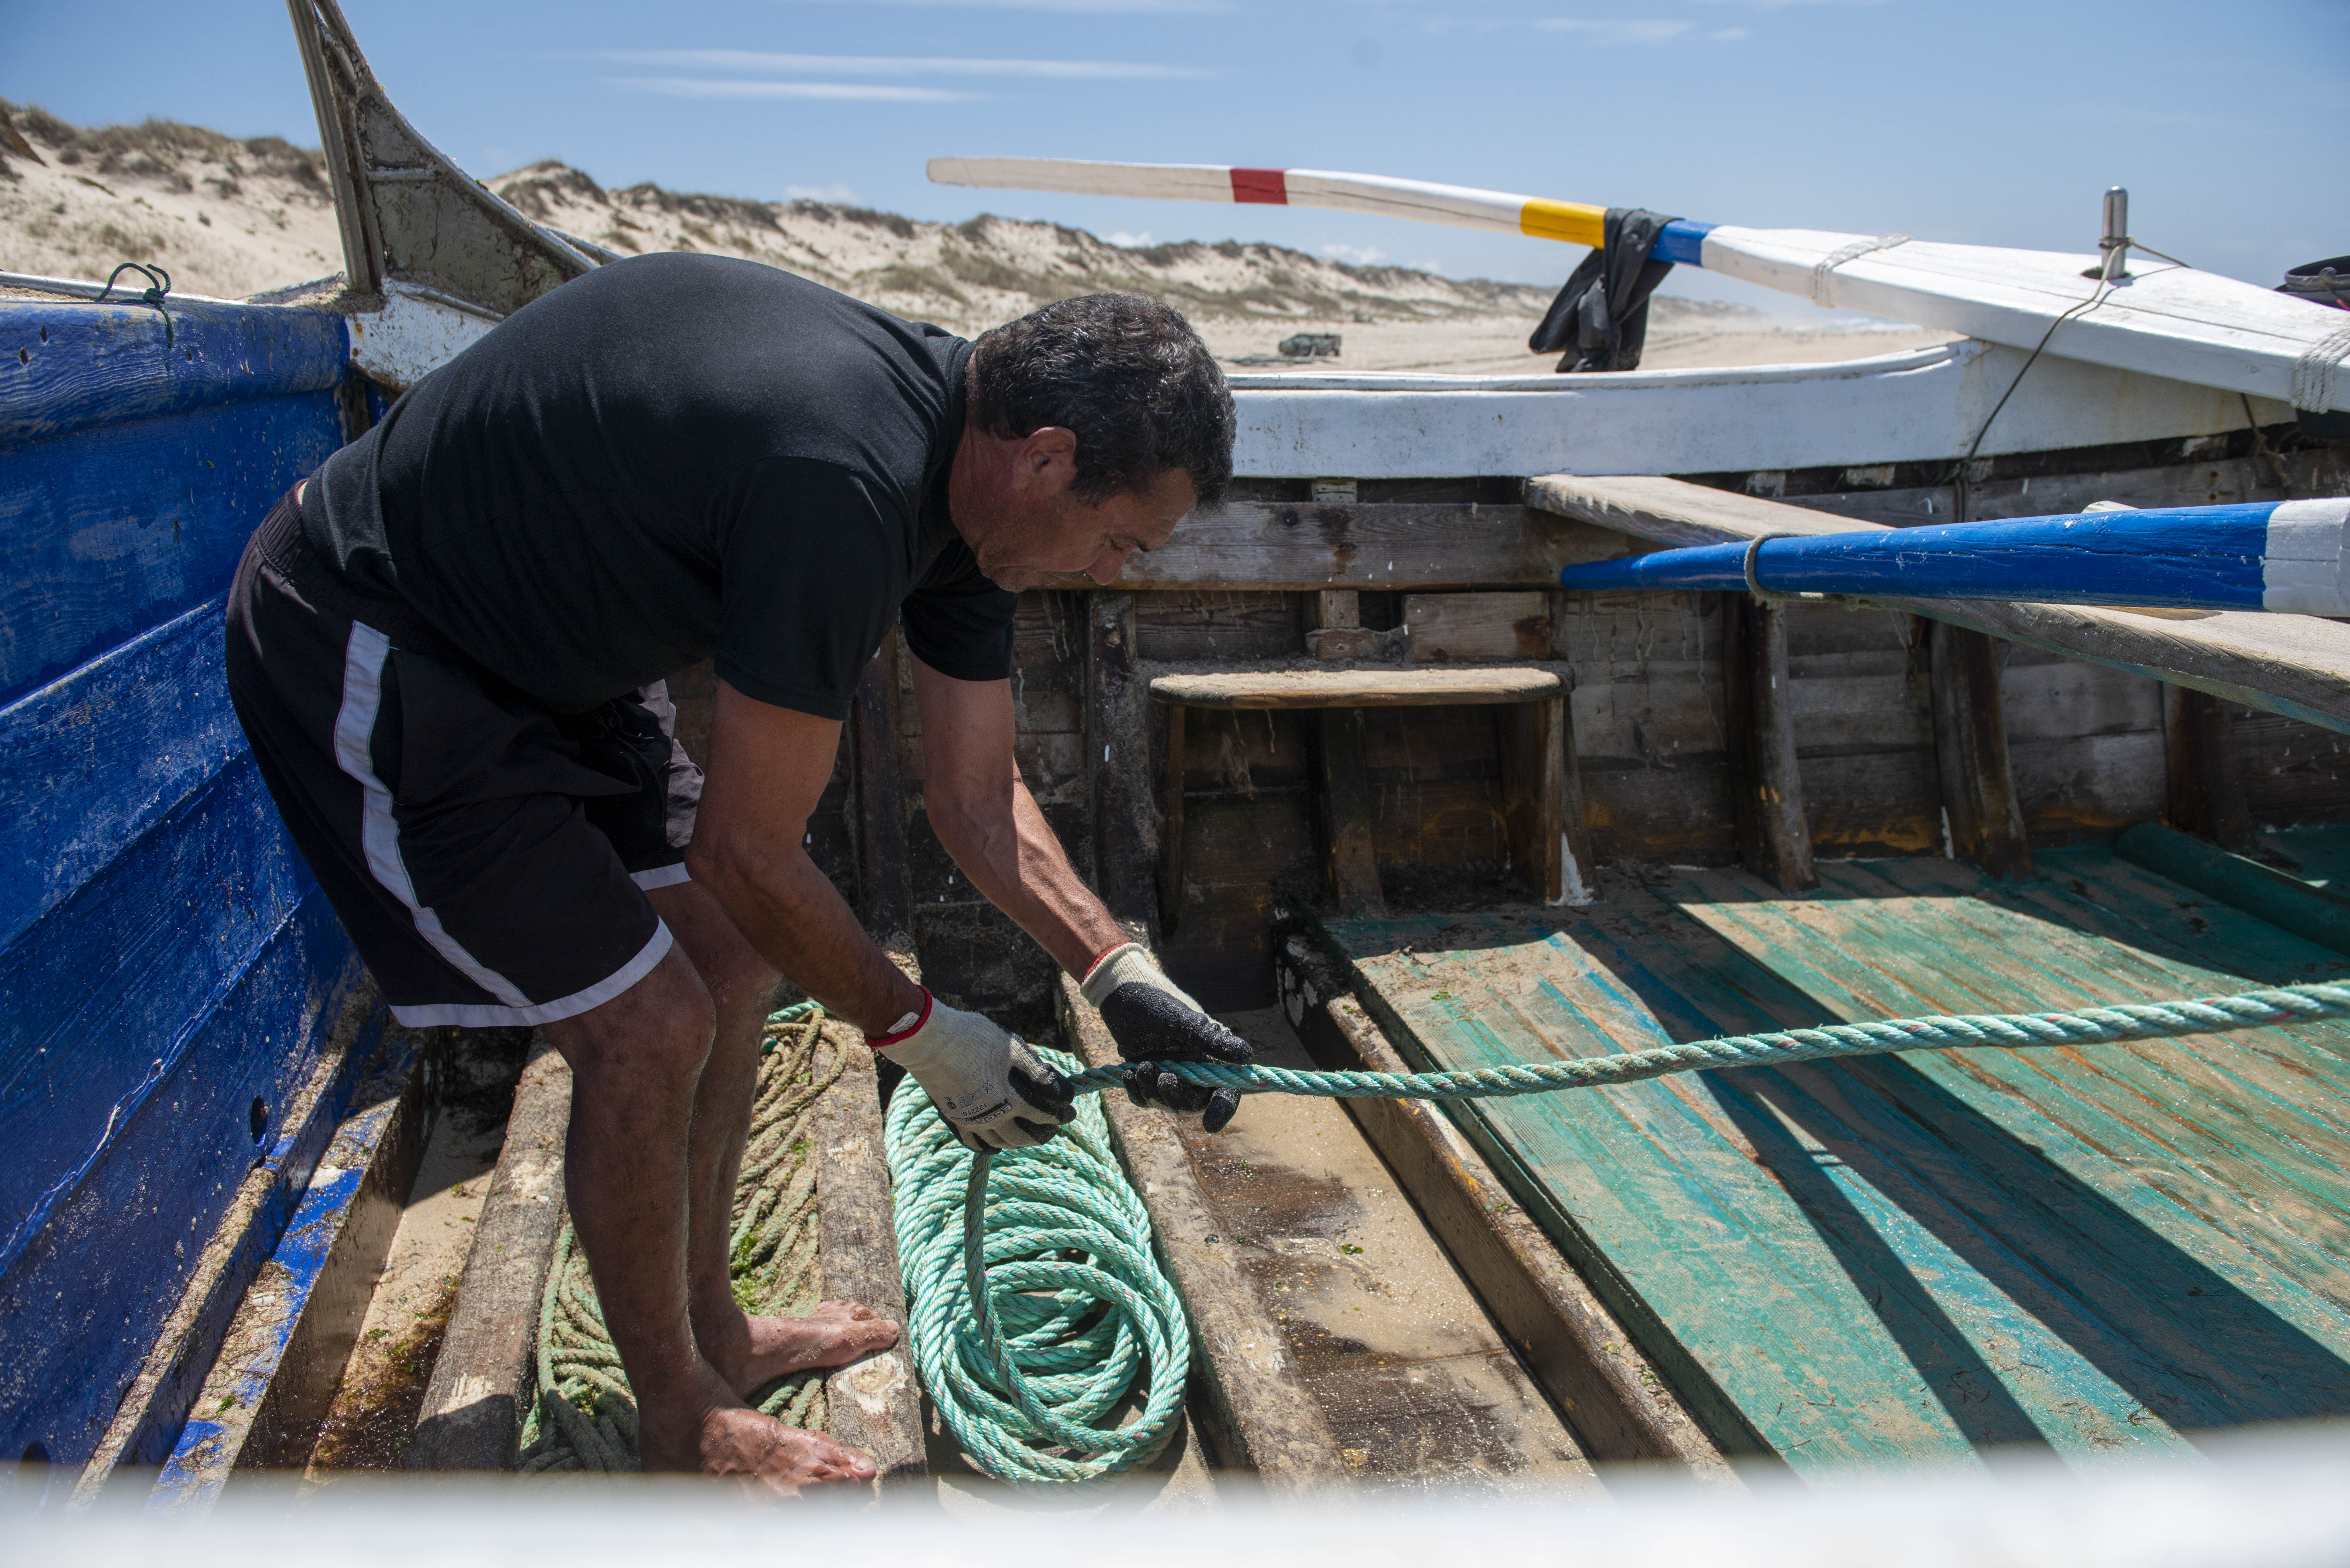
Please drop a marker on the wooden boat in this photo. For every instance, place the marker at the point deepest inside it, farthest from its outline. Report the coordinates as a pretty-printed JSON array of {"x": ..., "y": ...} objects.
[{"x": 1347, "y": 753}]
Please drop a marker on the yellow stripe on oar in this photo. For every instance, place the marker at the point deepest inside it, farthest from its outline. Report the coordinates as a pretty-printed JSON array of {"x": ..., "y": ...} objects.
[{"x": 1571, "y": 221}]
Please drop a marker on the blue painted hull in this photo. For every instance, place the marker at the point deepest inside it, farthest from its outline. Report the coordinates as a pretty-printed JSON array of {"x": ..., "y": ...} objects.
[{"x": 168, "y": 971}]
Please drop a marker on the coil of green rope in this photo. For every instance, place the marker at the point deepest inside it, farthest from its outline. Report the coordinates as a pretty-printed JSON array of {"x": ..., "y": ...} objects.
[
  {"x": 1031, "y": 1318},
  {"x": 1025, "y": 1409}
]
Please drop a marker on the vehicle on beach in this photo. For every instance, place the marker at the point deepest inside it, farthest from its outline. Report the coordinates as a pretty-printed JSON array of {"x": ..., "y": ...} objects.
[{"x": 1379, "y": 789}]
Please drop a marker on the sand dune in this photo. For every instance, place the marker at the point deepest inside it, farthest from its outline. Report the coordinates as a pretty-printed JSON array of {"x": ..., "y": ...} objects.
[{"x": 232, "y": 218}]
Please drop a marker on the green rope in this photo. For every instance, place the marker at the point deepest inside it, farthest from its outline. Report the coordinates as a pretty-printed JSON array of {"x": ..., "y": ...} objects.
[
  {"x": 1054, "y": 1248},
  {"x": 1030, "y": 1320},
  {"x": 2090, "y": 1026},
  {"x": 583, "y": 1417}
]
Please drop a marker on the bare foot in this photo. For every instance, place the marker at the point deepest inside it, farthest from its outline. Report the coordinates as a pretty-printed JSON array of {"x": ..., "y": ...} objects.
[
  {"x": 715, "y": 1435},
  {"x": 751, "y": 1352}
]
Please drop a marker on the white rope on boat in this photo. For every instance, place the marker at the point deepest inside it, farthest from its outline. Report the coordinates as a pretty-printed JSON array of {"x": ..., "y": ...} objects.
[
  {"x": 1842, "y": 254},
  {"x": 2313, "y": 372}
]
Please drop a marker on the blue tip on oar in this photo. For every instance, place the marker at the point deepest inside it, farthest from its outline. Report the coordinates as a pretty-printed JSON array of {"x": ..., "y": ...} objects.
[{"x": 2269, "y": 554}]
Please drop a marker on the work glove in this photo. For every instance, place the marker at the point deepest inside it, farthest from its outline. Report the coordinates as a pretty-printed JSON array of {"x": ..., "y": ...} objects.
[
  {"x": 1152, "y": 1021},
  {"x": 993, "y": 1092}
]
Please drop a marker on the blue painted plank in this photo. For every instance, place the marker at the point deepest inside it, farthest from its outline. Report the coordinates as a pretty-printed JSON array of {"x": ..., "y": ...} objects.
[
  {"x": 93, "y": 760},
  {"x": 68, "y": 367},
  {"x": 113, "y": 531},
  {"x": 85, "y": 1299},
  {"x": 102, "y": 993},
  {"x": 323, "y": 1234}
]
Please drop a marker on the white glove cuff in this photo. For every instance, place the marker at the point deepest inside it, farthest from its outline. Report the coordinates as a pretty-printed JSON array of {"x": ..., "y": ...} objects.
[{"x": 1129, "y": 965}]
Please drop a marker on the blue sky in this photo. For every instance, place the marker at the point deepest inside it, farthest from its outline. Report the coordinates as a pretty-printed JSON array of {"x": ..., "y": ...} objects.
[{"x": 1998, "y": 121}]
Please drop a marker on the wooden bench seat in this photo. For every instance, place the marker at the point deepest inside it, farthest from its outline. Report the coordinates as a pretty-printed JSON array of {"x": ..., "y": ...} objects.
[{"x": 1542, "y": 817}]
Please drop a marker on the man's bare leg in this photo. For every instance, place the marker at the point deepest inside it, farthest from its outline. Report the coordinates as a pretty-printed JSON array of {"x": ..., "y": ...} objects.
[
  {"x": 748, "y": 1352},
  {"x": 637, "y": 1065}
]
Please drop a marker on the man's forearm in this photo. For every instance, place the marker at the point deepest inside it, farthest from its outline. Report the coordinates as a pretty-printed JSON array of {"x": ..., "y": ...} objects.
[
  {"x": 795, "y": 918},
  {"x": 1013, "y": 856}
]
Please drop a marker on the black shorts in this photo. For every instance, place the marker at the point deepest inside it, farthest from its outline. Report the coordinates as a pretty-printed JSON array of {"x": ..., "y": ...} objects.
[{"x": 489, "y": 858}]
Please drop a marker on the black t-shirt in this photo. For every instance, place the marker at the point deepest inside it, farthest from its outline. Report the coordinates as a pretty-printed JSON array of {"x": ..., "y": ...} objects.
[{"x": 671, "y": 458}]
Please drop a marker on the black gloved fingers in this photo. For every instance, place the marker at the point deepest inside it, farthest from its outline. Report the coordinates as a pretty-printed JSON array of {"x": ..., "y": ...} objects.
[
  {"x": 1222, "y": 1105},
  {"x": 1150, "y": 1025},
  {"x": 1041, "y": 1087},
  {"x": 1038, "y": 1132},
  {"x": 1150, "y": 1086}
]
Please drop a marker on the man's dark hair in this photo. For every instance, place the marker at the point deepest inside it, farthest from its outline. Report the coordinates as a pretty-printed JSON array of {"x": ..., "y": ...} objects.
[{"x": 1128, "y": 376}]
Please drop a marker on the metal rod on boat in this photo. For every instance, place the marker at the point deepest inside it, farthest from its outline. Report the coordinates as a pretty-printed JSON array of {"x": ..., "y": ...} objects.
[
  {"x": 2273, "y": 555},
  {"x": 2114, "y": 244}
]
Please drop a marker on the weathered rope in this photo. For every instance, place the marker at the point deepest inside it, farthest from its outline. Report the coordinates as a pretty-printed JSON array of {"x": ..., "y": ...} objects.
[
  {"x": 1029, "y": 1324},
  {"x": 583, "y": 1417}
]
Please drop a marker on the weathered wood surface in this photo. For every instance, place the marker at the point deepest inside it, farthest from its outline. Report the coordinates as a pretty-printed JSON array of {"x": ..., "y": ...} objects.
[
  {"x": 1774, "y": 830},
  {"x": 1445, "y": 627},
  {"x": 885, "y": 896},
  {"x": 1375, "y": 545},
  {"x": 2206, "y": 792},
  {"x": 2319, "y": 856},
  {"x": 1247, "y": 1392},
  {"x": 1355, "y": 687},
  {"x": 2093, "y": 1249},
  {"x": 2286, "y": 902},
  {"x": 875, "y": 1402},
  {"x": 1342, "y": 768},
  {"x": 268, "y": 1394},
  {"x": 1984, "y": 820},
  {"x": 118, "y": 528},
  {"x": 110, "y": 1319},
  {"x": 2215, "y": 482},
  {"x": 1620, "y": 1406},
  {"x": 481, "y": 1384},
  {"x": 1541, "y": 803},
  {"x": 68, "y": 367},
  {"x": 2298, "y": 666},
  {"x": 1117, "y": 761}
]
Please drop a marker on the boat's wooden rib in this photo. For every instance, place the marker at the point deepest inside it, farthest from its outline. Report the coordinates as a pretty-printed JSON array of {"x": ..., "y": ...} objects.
[
  {"x": 1248, "y": 1393},
  {"x": 482, "y": 1386},
  {"x": 1919, "y": 1256},
  {"x": 2298, "y": 666}
]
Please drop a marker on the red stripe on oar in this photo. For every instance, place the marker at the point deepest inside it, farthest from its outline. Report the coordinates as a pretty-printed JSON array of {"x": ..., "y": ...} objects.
[{"x": 1263, "y": 185}]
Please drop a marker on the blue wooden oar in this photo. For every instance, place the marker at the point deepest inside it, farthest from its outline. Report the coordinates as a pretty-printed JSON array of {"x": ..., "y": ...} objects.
[{"x": 2267, "y": 555}]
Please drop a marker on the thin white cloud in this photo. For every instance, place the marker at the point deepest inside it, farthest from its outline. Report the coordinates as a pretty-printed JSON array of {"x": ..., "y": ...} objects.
[
  {"x": 751, "y": 60},
  {"x": 1358, "y": 255},
  {"x": 1069, "y": 7},
  {"x": 1603, "y": 32},
  {"x": 1125, "y": 241},
  {"x": 1597, "y": 30},
  {"x": 838, "y": 195},
  {"x": 694, "y": 87}
]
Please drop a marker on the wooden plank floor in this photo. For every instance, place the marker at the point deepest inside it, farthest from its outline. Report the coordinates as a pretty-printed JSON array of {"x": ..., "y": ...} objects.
[{"x": 2096, "y": 1250}]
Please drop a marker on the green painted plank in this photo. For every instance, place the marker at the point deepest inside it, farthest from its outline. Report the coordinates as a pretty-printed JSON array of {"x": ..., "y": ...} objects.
[
  {"x": 1842, "y": 1325},
  {"x": 2071, "y": 1381},
  {"x": 2318, "y": 856},
  {"x": 2157, "y": 1160},
  {"x": 2096, "y": 1249},
  {"x": 1694, "y": 1228}
]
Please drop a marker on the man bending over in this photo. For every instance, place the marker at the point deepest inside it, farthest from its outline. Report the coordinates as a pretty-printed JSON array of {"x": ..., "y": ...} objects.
[{"x": 447, "y": 648}]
